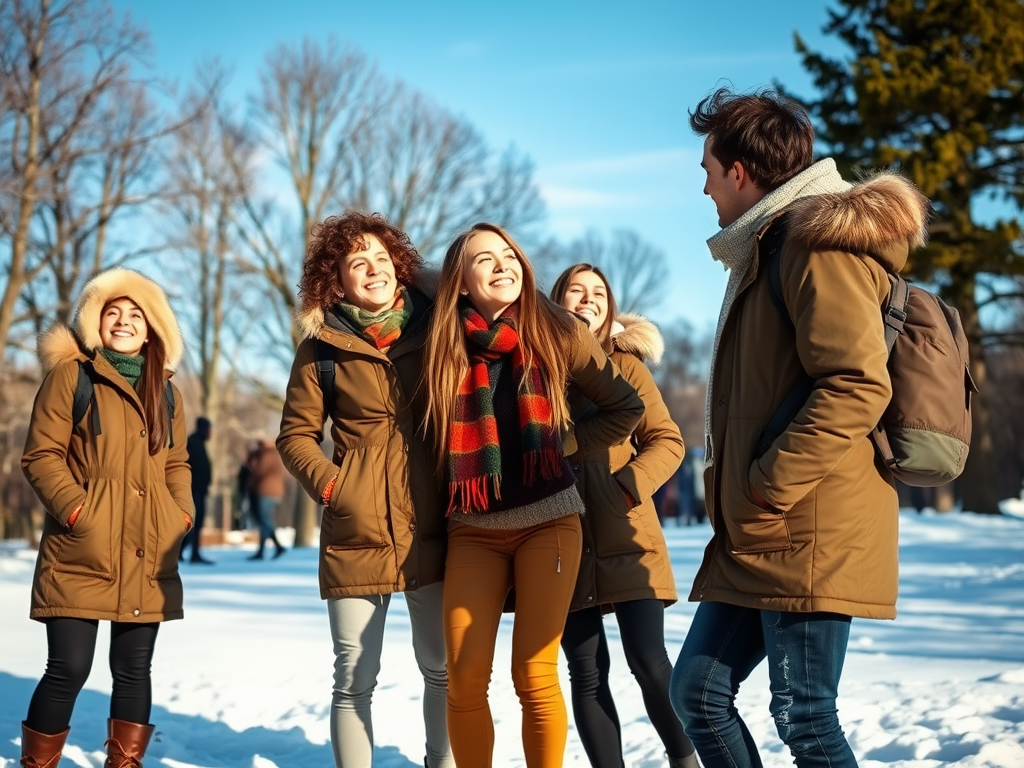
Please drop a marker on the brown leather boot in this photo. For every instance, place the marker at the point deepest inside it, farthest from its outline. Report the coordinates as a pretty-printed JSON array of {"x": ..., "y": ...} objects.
[
  {"x": 38, "y": 750},
  {"x": 126, "y": 743}
]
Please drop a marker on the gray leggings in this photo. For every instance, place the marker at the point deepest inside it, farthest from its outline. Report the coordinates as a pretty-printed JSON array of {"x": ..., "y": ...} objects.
[{"x": 357, "y": 628}]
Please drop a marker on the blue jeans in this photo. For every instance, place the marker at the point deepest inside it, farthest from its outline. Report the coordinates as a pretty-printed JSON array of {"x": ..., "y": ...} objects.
[{"x": 805, "y": 653}]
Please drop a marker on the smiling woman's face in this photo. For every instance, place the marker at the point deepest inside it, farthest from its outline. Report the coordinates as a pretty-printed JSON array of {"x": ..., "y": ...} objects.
[
  {"x": 491, "y": 273},
  {"x": 368, "y": 276},
  {"x": 587, "y": 296},
  {"x": 123, "y": 327}
]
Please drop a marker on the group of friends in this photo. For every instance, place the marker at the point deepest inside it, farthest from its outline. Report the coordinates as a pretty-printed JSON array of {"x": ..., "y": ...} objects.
[{"x": 496, "y": 450}]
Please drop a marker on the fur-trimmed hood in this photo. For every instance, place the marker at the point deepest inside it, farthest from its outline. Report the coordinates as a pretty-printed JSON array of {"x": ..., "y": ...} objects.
[
  {"x": 60, "y": 343},
  {"x": 638, "y": 336},
  {"x": 885, "y": 216},
  {"x": 310, "y": 315}
]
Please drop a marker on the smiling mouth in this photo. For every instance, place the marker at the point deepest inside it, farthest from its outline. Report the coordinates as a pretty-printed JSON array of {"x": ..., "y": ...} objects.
[
  {"x": 502, "y": 283},
  {"x": 586, "y": 311},
  {"x": 122, "y": 334},
  {"x": 375, "y": 285}
]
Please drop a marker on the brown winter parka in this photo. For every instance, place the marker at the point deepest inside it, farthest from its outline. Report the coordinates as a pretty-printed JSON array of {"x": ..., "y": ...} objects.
[
  {"x": 384, "y": 529},
  {"x": 624, "y": 552},
  {"x": 119, "y": 561},
  {"x": 829, "y": 540}
]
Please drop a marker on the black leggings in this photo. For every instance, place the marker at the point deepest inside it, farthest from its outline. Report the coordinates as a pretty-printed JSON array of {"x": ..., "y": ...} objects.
[
  {"x": 642, "y": 629},
  {"x": 71, "y": 644}
]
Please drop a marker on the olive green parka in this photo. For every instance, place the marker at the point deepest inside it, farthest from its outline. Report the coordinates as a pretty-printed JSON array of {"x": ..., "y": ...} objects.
[
  {"x": 624, "y": 552},
  {"x": 119, "y": 561},
  {"x": 383, "y": 529}
]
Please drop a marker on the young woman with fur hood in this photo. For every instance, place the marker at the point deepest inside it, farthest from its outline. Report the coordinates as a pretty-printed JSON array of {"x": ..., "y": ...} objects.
[
  {"x": 625, "y": 566},
  {"x": 116, "y": 487},
  {"x": 365, "y": 310}
]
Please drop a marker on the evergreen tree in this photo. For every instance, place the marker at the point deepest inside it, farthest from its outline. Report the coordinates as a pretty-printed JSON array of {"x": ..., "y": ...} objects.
[{"x": 936, "y": 89}]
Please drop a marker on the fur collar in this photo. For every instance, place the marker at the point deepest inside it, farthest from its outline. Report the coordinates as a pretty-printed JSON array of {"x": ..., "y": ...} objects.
[
  {"x": 885, "y": 216},
  {"x": 638, "y": 336},
  {"x": 82, "y": 340},
  {"x": 310, "y": 316}
]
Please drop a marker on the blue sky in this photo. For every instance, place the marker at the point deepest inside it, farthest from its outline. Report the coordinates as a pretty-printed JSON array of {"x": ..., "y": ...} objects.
[{"x": 595, "y": 93}]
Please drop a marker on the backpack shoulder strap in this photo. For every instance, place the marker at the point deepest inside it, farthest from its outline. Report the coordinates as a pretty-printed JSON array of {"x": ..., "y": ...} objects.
[
  {"x": 894, "y": 311},
  {"x": 325, "y": 371},
  {"x": 169, "y": 397},
  {"x": 85, "y": 394},
  {"x": 771, "y": 260}
]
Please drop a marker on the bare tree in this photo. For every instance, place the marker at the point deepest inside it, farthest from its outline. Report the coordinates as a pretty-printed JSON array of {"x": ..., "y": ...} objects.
[
  {"x": 682, "y": 378},
  {"x": 635, "y": 269},
  {"x": 433, "y": 175},
  {"x": 64, "y": 64}
]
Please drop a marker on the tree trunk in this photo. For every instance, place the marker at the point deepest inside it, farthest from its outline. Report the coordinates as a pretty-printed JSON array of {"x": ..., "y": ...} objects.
[{"x": 978, "y": 479}]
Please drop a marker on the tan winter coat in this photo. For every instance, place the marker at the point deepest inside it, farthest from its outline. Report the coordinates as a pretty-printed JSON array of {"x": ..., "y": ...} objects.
[
  {"x": 120, "y": 560},
  {"x": 384, "y": 529},
  {"x": 829, "y": 542},
  {"x": 267, "y": 472},
  {"x": 624, "y": 552}
]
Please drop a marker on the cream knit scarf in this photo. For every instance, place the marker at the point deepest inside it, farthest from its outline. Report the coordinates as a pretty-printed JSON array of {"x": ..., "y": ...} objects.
[{"x": 734, "y": 247}]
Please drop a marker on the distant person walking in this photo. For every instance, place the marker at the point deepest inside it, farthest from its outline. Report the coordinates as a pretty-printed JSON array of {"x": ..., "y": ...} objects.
[
  {"x": 625, "y": 567},
  {"x": 116, "y": 488},
  {"x": 266, "y": 488},
  {"x": 202, "y": 475},
  {"x": 805, "y": 517},
  {"x": 365, "y": 311},
  {"x": 499, "y": 358}
]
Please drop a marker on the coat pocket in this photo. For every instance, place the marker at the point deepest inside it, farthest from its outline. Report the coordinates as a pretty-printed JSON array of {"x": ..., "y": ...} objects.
[
  {"x": 87, "y": 548},
  {"x": 617, "y": 528},
  {"x": 751, "y": 529},
  {"x": 169, "y": 525},
  {"x": 356, "y": 516}
]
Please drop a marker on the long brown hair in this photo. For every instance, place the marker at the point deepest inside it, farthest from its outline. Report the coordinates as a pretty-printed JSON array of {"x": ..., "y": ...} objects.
[
  {"x": 545, "y": 335},
  {"x": 152, "y": 389},
  {"x": 604, "y": 333}
]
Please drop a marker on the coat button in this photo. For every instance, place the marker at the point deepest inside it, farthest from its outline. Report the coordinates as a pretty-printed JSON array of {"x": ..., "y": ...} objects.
[
  {"x": 413, "y": 583},
  {"x": 412, "y": 527},
  {"x": 575, "y": 467},
  {"x": 142, "y": 491},
  {"x": 722, "y": 403},
  {"x": 136, "y": 612},
  {"x": 139, "y": 553},
  {"x": 586, "y": 551},
  {"x": 142, "y": 433},
  {"x": 590, "y": 598}
]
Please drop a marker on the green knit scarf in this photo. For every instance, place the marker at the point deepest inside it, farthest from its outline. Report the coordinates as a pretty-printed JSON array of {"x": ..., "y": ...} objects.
[
  {"x": 129, "y": 366},
  {"x": 381, "y": 329}
]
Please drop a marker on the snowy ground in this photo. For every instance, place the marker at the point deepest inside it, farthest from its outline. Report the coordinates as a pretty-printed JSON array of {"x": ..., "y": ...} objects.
[{"x": 245, "y": 680}]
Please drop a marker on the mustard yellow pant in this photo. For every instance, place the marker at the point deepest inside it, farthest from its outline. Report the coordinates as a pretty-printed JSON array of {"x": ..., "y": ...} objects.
[{"x": 541, "y": 562}]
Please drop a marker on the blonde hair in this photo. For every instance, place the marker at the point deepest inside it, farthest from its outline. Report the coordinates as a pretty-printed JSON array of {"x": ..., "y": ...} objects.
[{"x": 545, "y": 331}]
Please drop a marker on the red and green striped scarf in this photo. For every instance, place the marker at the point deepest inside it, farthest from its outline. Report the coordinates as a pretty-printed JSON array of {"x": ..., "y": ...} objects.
[
  {"x": 474, "y": 454},
  {"x": 381, "y": 329}
]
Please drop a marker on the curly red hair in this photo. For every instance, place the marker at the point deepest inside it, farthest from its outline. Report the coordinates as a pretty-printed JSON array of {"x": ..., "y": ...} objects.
[{"x": 335, "y": 238}]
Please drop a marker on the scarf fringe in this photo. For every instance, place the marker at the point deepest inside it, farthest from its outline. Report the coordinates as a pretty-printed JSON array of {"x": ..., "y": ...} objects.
[
  {"x": 473, "y": 493},
  {"x": 547, "y": 460}
]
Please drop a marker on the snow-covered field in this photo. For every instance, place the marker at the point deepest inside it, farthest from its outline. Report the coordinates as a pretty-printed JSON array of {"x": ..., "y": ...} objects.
[{"x": 245, "y": 680}]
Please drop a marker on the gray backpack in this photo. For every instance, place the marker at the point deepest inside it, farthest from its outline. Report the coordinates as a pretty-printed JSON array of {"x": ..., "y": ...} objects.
[{"x": 925, "y": 433}]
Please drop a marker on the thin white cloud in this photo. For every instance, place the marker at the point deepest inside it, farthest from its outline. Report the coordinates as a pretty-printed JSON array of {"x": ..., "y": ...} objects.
[
  {"x": 467, "y": 49},
  {"x": 563, "y": 196},
  {"x": 641, "y": 162}
]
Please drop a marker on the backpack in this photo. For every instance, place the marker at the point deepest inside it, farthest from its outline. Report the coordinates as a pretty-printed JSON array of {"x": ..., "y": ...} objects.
[
  {"x": 85, "y": 394},
  {"x": 925, "y": 432}
]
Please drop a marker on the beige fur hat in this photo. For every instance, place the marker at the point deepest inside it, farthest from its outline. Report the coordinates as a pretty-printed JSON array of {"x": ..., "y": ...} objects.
[{"x": 119, "y": 283}]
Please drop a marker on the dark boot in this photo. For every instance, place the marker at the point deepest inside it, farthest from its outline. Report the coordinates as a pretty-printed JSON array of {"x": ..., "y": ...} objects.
[
  {"x": 690, "y": 761},
  {"x": 38, "y": 750},
  {"x": 126, "y": 743}
]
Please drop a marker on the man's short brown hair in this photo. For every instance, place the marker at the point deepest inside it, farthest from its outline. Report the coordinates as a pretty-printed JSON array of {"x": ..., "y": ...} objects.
[{"x": 769, "y": 135}]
